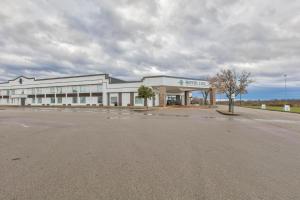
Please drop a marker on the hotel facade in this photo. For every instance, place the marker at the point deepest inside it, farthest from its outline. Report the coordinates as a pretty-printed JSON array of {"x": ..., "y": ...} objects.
[{"x": 99, "y": 90}]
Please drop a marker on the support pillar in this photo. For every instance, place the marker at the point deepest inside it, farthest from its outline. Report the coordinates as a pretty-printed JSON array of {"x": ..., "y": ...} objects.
[
  {"x": 90, "y": 99},
  {"x": 162, "y": 96},
  {"x": 212, "y": 94},
  {"x": 131, "y": 98},
  {"x": 45, "y": 100},
  {"x": 108, "y": 99},
  {"x": 78, "y": 99},
  {"x": 104, "y": 95},
  {"x": 120, "y": 99},
  {"x": 153, "y": 101},
  {"x": 178, "y": 100},
  {"x": 187, "y": 100},
  {"x": 104, "y": 98}
]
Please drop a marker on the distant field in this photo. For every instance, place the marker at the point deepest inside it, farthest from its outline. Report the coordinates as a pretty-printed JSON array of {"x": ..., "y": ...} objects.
[{"x": 276, "y": 108}]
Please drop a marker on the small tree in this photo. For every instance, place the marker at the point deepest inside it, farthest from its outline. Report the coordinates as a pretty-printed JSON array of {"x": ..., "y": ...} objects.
[
  {"x": 145, "y": 93},
  {"x": 232, "y": 84}
]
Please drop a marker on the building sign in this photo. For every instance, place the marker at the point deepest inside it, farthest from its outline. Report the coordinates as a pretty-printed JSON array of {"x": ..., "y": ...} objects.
[{"x": 192, "y": 83}]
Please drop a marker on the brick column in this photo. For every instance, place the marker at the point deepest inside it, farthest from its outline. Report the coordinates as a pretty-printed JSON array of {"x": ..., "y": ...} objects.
[
  {"x": 187, "y": 100},
  {"x": 162, "y": 96},
  {"x": 131, "y": 98},
  {"x": 212, "y": 96},
  {"x": 178, "y": 100}
]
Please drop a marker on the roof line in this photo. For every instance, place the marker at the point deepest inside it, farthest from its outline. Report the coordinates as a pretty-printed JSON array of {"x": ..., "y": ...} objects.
[
  {"x": 157, "y": 76},
  {"x": 16, "y": 79},
  {"x": 107, "y": 76},
  {"x": 44, "y": 79}
]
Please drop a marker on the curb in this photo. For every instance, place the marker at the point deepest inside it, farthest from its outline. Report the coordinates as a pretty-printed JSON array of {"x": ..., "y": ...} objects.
[{"x": 227, "y": 113}]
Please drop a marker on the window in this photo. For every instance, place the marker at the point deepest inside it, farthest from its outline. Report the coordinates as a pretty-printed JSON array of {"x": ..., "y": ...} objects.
[
  {"x": 59, "y": 90},
  {"x": 100, "y": 99},
  {"x": 52, "y": 90},
  {"x": 99, "y": 88},
  {"x": 40, "y": 100},
  {"x": 114, "y": 100},
  {"x": 52, "y": 100},
  {"x": 39, "y": 90},
  {"x": 74, "y": 89},
  {"x": 33, "y": 100},
  {"x": 82, "y": 100},
  {"x": 13, "y": 92},
  {"x": 22, "y": 92},
  {"x": 66, "y": 89},
  {"x": 83, "y": 89},
  {"x": 59, "y": 99},
  {"x": 74, "y": 100},
  {"x": 32, "y": 91},
  {"x": 139, "y": 100}
]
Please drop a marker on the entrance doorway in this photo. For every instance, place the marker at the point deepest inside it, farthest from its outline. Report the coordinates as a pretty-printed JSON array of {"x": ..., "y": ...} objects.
[
  {"x": 174, "y": 100},
  {"x": 23, "y": 101}
]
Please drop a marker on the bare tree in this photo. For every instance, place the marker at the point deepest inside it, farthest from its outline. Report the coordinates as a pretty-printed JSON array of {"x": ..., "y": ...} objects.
[
  {"x": 205, "y": 93},
  {"x": 232, "y": 84}
]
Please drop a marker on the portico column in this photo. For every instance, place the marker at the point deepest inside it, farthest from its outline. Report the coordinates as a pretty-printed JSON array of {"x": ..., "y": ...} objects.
[
  {"x": 162, "y": 96},
  {"x": 131, "y": 98},
  {"x": 187, "y": 100},
  {"x": 212, "y": 94}
]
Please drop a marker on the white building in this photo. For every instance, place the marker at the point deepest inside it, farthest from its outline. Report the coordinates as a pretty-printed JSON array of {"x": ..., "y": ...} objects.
[{"x": 98, "y": 90}]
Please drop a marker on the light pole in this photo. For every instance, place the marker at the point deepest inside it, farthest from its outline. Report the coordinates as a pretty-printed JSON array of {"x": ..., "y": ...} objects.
[{"x": 285, "y": 93}]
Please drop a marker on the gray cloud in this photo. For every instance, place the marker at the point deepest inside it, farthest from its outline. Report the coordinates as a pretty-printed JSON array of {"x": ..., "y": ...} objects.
[{"x": 130, "y": 39}]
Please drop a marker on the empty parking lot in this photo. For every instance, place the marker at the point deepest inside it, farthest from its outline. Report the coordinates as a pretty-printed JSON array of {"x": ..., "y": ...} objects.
[{"x": 51, "y": 153}]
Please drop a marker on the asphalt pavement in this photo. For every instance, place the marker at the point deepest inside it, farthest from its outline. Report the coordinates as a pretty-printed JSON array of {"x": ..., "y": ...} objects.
[{"x": 63, "y": 154}]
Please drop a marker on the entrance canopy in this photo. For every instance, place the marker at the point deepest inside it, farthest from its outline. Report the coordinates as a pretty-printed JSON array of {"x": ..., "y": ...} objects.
[
  {"x": 178, "y": 84},
  {"x": 175, "y": 89}
]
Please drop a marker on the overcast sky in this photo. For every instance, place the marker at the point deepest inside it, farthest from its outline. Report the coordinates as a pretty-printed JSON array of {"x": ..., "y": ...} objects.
[{"x": 134, "y": 38}]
